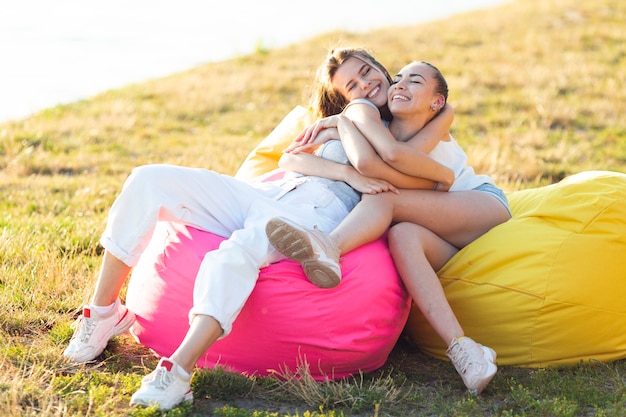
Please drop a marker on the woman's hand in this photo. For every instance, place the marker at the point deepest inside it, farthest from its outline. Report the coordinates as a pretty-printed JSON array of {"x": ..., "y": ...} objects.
[
  {"x": 367, "y": 185},
  {"x": 319, "y": 132},
  {"x": 322, "y": 137}
]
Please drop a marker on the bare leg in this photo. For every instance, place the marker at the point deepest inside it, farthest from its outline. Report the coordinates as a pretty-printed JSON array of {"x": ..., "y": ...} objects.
[
  {"x": 459, "y": 217},
  {"x": 368, "y": 221},
  {"x": 113, "y": 273},
  {"x": 418, "y": 253},
  {"x": 167, "y": 385},
  {"x": 95, "y": 327},
  {"x": 202, "y": 333}
]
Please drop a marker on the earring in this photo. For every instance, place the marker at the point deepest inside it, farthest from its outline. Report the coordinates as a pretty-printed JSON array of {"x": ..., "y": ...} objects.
[{"x": 433, "y": 107}]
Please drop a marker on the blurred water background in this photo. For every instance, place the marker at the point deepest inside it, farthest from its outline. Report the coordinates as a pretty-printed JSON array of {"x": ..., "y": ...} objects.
[{"x": 60, "y": 51}]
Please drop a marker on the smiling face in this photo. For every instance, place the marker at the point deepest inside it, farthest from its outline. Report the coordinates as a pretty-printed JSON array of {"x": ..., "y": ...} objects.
[
  {"x": 356, "y": 78},
  {"x": 347, "y": 74},
  {"x": 414, "y": 90}
]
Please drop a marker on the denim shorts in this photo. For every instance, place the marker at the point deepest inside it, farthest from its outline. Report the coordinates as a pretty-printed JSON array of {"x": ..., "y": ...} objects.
[{"x": 497, "y": 193}]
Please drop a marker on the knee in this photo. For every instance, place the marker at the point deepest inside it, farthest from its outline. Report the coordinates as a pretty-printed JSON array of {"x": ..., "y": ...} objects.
[
  {"x": 144, "y": 172},
  {"x": 144, "y": 177},
  {"x": 403, "y": 236},
  {"x": 397, "y": 233}
]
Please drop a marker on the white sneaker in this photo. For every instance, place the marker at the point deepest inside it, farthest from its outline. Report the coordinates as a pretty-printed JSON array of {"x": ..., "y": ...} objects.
[
  {"x": 314, "y": 250},
  {"x": 92, "y": 332},
  {"x": 164, "y": 386},
  {"x": 474, "y": 362}
]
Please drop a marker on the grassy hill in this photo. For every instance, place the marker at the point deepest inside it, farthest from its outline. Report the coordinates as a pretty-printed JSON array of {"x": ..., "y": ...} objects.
[{"x": 539, "y": 92}]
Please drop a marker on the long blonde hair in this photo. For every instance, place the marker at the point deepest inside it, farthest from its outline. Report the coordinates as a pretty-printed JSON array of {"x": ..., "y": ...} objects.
[{"x": 326, "y": 100}]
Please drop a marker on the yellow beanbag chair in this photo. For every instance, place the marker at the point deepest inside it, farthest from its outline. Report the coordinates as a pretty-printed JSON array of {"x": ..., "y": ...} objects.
[
  {"x": 548, "y": 287},
  {"x": 264, "y": 157}
]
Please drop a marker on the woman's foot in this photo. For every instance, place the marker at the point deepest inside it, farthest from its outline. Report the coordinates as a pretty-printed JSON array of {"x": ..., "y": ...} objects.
[
  {"x": 314, "y": 250},
  {"x": 474, "y": 362},
  {"x": 167, "y": 386},
  {"x": 93, "y": 331}
]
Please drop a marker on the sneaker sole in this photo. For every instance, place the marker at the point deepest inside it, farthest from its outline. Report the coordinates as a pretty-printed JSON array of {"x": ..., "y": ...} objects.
[
  {"x": 294, "y": 244},
  {"x": 188, "y": 397}
]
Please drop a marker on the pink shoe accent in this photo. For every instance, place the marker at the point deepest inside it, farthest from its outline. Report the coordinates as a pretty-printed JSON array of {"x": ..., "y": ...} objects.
[
  {"x": 122, "y": 318},
  {"x": 167, "y": 365}
]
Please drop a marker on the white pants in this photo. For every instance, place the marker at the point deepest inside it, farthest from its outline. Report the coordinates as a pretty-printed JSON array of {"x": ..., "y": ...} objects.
[{"x": 224, "y": 206}]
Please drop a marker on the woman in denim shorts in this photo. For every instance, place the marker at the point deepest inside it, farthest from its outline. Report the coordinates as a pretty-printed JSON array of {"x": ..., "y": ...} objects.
[{"x": 428, "y": 226}]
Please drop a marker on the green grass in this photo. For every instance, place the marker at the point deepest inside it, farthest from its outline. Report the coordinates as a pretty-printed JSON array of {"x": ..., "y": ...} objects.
[{"x": 538, "y": 88}]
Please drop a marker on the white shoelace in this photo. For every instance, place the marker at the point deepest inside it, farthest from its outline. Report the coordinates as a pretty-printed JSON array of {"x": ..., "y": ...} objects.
[
  {"x": 85, "y": 328},
  {"x": 160, "y": 379},
  {"x": 462, "y": 359}
]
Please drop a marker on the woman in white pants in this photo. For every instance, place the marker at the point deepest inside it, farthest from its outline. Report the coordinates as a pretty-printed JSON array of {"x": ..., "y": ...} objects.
[{"x": 227, "y": 207}]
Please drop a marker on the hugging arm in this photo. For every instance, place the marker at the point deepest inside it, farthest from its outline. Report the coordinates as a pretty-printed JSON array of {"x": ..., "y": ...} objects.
[
  {"x": 365, "y": 159},
  {"x": 295, "y": 159},
  {"x": 436, "y": 130},
  {"x": 408, "y": 157},
  {"x": 362, "y": 154},
  {"x": 308, "y": 164}
]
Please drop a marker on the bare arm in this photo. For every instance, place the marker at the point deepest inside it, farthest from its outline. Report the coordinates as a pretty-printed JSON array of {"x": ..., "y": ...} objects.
[
  {"x": 436, "y": 130},
  {"x": 308, "y": 164},
  {"x": 361, "y": 154},
  {"x": 365, "y": 159},
  {"x": 405, "y": 157},
  {"x": 425, "y": 140}
]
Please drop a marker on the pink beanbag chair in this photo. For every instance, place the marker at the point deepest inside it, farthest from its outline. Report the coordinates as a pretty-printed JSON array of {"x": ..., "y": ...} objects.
[{"x": 286, "y": 322}]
